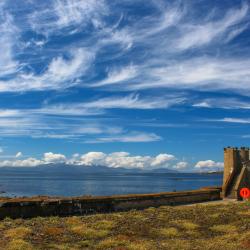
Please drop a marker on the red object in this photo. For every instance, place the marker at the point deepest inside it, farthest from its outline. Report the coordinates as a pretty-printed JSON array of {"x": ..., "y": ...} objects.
[{"x": 245, "y": 193}]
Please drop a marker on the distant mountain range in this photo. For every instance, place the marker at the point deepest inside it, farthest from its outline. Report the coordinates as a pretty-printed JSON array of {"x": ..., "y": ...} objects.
[{"x": 74, "y": 169}]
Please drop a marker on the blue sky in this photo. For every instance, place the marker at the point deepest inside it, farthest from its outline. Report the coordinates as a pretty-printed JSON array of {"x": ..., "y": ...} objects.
[{"x": 163, "y": 83}]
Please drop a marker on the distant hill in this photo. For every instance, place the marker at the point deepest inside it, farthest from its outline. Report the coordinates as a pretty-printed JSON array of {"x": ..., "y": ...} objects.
[{"x": 74, "y": 169}]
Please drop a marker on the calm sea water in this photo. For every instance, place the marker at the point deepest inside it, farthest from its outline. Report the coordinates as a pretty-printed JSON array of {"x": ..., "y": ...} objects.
[{"x": 31, "y": 184}]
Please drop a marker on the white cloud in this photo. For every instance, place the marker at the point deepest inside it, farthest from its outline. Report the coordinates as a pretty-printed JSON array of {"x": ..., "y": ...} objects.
[
  {"x": 54, "y": 158},
  {"x": 169, "y": 25},
  {"x": 201, "y": 34},
  {"x": 79, "y": 11},
  {"x": 53, "y": 18},
  {"x": 19, "y": 154},
  {"x": 61, "y": 73},
  {"x": 234, "y": 33},
  {"x": 129, "y": 137},
  {"x": 209, "y": 165},
  {"x": 233, "y": 120},
  {"x": 93, "y": 158},
  {"x": 113, "y": 160},
  {"x": 202, "y": 73},
  {"x": 9, "y": 113},
  {"x": 134, "y": 102},
  {"x": 202, "y": 104},
  {"x": 246, "y": 136},
  {"x": 40, "y": 123},
  {"x": 8, "y": 38},
  {"x": 121, "y": 37},
  {"x": 223, "y": 103},
  {"x": 181, "y": 165},
  {"x": 161, "y": 159},
  {"x": 118, "y": 76},
  {"x": 125, "y": 160},
  {"x": 60, "y": 70},
  {"x": 33, "y": 162},
  {"x": 147, "y": 29},
  {"x": 29, "y": 162}
]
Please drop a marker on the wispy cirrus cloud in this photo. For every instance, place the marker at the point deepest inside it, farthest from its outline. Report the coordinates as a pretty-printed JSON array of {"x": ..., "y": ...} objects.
[
  {"x": 81, "y": 119},
  {"x": 61, "y": 73},
  {"x": 99, "y": 106},
  {"x": 118, "y": 76},
  {"x": 197, "y": 35},
  {"x": 9, "y": 33},
  {"x": 223, "y": 103},
  {"x": 133, "y": 101},
  {"x": 161, "y": 41},
  {"x": 246, "y": 136},
  {"x": 57, "y": 15},
  {"x": 233, "y": 120},
  {"x": 95, "y": 57},
  {"x": 53, "y": 124},
  {"x": 204, "y": 73},
  {"x": 128, "y": 137}
]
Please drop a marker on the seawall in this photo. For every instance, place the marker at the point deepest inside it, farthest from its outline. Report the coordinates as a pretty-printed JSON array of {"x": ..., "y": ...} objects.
[{"x": 53, "y": 206}]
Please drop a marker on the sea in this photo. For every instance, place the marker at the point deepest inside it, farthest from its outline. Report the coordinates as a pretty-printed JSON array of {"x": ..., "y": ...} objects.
[{"x": 48, "y": 184}]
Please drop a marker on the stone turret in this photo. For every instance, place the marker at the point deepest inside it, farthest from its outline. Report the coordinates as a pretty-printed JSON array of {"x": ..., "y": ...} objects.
[{"x": 236, "y": 171}]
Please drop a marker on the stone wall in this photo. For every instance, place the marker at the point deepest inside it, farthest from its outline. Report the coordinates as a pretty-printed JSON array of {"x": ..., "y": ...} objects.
[
  {"x": 235, "y": 175},
  {"x": 49, "y": 206}
]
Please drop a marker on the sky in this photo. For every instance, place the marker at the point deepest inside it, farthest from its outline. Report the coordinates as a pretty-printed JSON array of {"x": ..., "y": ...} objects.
[{"x": 136, "y": 84}]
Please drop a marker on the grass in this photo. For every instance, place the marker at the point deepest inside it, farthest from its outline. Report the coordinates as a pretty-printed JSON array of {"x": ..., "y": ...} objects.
[{"x": 210, "y": 226}]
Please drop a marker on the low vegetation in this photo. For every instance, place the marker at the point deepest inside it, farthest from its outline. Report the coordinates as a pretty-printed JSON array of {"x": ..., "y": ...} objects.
[{"x": 210, "y": 226}]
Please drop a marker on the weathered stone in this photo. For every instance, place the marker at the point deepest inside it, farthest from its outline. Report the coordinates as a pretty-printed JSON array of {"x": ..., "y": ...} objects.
[
  {"x": 49, "y": 206},
  {"x": 236, "y": 172}
]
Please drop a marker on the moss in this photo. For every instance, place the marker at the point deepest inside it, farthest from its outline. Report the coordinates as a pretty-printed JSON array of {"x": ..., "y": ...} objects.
[
  {"x": 19, "y": 244},
  {"x": 214, "y": 216},
  {"x": 104, "y": 224},
  {"x": 202, "y": 227},
  {"x": 170, "y": 232},
  {"x": 244, "y": 213},
  {"x": 72, "y": 221},
  {"x": 224, "y": 228},
  {"x": 17, "y": 233},
  {"x": 187, "y": 225},
  {"x": 177, "y": 244},
  {"x": 141, "y": 245},
  {"x": 111, "y": 243},
  {"x": 89, "y": 233},
  {"x": 53, "y": 231},
  {"x": 63, "y": 247}
]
